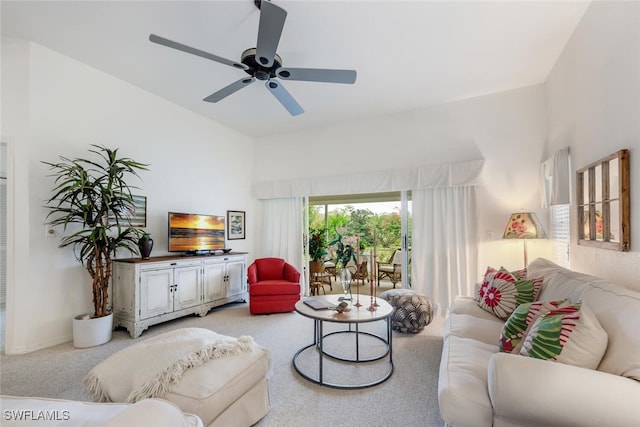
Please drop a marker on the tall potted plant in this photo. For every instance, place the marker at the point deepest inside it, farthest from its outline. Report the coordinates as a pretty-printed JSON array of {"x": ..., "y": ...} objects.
[
  {"x": 317, "y": 251},
  {"x": 94, "y": 196}
]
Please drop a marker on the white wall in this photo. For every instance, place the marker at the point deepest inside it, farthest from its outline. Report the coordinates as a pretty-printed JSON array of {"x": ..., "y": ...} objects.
[
  {"x": 53, "y": 105},
  {"x": 593, "y": 106},
  {"x": 507, "y": 129}
]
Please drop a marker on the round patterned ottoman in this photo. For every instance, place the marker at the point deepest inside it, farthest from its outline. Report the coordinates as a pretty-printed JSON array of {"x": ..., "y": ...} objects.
[{"x": 411, "y": 311}]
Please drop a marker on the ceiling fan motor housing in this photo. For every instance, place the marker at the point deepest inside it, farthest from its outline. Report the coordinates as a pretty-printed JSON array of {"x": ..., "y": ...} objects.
[{"x": 257, "y": 70}]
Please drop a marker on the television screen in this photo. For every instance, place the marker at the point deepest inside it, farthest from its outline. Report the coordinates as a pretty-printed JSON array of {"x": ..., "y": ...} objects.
[{"x": 195, "y": 233}]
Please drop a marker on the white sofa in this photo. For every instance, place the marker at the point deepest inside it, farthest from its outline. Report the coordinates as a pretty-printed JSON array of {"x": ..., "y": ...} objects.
[
  {"x": 41, "y": 412},
  {"x": 480, "y": 386}
]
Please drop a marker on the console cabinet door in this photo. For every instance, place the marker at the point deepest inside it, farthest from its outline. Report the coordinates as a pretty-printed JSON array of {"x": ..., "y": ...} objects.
[
  {"x": 213, "y": 280},
  {"x": 186, "y": 290},
  {"x": 156, "y": 297},
  {"x": 235, "y": 277}
]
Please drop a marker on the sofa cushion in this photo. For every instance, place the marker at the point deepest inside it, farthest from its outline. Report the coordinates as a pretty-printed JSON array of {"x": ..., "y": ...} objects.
[
  {"x": 155, "y": 412},
  {"x": 463, "y": 393},
  {"x": 504, "y": 292},
  {"x": 275, "y": 287},
  {"x": 570, "y": 335},
  {"x": 73, "y": 413},
  {"x": 468, "y": 326},
  {"x": 515, "y": 327},
  {"x": 467, "y": 305}
]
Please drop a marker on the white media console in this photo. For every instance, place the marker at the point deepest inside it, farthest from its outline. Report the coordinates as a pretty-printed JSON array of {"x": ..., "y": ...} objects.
[{"x": 158, "y": 289}]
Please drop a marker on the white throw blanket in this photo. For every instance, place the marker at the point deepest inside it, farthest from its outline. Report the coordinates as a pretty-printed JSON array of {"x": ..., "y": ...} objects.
[{"x": 149, "y": 368}]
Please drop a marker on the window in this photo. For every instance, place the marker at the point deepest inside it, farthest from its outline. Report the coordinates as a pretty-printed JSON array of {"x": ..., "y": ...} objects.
[
  {"x": 559, "y": 235},
  {"x": 603, "y": 203}
]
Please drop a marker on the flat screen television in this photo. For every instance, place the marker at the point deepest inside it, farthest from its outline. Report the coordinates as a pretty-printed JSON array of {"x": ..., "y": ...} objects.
[{"x": 194, "y": 233}]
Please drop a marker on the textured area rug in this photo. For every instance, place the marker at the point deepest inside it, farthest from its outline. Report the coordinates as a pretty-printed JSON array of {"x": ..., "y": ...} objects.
[{"x": 408, "y": 398}]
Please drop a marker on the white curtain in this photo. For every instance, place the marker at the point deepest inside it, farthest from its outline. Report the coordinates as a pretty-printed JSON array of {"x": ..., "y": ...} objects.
[
  {"x": 282, "y": 230},
  {"x": 444, "y": 245}
]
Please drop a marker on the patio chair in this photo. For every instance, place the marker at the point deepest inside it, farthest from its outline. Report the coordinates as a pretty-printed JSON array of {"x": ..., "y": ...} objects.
[
  {"x": 318, "y": 275},
  {"x": 329, "y": 271},
  {"x": 359, "y": 275},
  {"x": 392, "y": 269}
]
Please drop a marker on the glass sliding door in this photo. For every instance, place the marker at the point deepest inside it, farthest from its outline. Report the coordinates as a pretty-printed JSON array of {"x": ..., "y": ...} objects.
[
  {"x": 389, "y": 214},
  {"x": 406, "y": 238}
]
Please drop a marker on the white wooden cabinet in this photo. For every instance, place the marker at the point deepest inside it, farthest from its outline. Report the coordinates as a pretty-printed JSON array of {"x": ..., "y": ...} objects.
[
  {"x": 155, "y": 290},
  {"x": 224, "y": 277}
]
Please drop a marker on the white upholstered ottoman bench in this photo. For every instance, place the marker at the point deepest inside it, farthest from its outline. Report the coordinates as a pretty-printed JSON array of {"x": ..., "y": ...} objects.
[{"x": 221, "y": 379}]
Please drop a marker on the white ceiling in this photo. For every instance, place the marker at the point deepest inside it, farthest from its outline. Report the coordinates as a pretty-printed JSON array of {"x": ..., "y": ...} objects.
[{"x": 408, "y": 54}]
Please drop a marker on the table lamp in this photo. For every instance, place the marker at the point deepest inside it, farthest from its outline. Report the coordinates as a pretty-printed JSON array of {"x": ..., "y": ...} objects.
[{"x": 524, "y": 225}]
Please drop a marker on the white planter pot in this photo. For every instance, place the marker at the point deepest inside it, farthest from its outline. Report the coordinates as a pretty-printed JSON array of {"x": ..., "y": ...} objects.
[{"x": 91, "y": 331}]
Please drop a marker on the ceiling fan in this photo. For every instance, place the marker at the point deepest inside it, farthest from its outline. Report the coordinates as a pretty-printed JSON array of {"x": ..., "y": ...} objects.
[{"x": 263, "y": 63}]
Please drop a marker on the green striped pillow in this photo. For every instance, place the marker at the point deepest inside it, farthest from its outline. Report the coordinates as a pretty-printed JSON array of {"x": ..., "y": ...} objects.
[
  {"x": 571, "y": 335},
  {"x": 515, "y": 328}
]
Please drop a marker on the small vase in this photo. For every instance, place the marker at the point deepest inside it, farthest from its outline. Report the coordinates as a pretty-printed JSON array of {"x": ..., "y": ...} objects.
[
  {"x": 145, "y": 244},
  {"x": 345, "y": 281}
]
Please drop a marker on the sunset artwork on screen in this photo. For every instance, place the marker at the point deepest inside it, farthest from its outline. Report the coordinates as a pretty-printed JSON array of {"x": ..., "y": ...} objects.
[{"x": 193, "y": 232}]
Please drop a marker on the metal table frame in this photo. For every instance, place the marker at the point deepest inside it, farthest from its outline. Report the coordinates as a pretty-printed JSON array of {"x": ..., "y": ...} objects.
[{"x": 319, "y": 317}]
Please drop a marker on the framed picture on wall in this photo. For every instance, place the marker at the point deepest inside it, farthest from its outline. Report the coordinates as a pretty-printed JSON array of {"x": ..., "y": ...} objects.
[
  {"x": 236, "y": 228},
  {"x": 137, "y": 216}
]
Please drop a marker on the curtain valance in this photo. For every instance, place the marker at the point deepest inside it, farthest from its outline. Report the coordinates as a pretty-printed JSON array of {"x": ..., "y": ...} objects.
[{"x": 466, "y": 173}]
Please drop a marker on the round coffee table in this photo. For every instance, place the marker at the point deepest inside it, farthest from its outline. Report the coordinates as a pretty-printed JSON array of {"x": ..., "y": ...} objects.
[{"x": 352, "y": 318}]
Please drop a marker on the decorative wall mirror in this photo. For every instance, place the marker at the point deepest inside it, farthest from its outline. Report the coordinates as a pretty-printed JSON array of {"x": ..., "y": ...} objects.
[{"x": 603, "y": 203}]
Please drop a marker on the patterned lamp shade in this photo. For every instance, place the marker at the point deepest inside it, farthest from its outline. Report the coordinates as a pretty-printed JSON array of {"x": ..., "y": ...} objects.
[{"x": 524, "y": 225}]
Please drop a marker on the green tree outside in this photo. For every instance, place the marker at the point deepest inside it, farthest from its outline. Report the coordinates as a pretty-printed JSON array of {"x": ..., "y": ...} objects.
[{"x": 361, "y": 222}]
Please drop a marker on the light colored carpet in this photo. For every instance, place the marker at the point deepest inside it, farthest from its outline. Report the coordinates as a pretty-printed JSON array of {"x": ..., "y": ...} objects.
[{"x": 408, "y": 398}]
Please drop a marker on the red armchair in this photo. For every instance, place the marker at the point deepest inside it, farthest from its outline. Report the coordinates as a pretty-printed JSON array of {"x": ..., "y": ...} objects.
[{"x": 274, "y": 286}]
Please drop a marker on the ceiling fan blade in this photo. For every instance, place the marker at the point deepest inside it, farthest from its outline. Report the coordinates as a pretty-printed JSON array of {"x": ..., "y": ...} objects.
[
  {"x": 192, "y": 50},
  {"x": 272, "y": 19},
  {"x": 284, "y": 97},
  {"x": 228, "y": 90},
  {"x": 317, "y": 75}
]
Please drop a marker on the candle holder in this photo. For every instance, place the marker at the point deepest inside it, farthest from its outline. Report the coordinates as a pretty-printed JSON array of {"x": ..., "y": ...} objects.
[
  {"x": 372, "y": 282},
  {"x": 372, "y": 288},
  {"x": 357, "y": 304},
  {"x": 358, "y": 272}
]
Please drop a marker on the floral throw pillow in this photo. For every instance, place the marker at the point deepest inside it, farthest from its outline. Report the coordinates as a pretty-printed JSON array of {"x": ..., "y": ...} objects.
[
  {"x": 488, "y": 277},
  {"x": 515, "y": 328},
  {"x": 571, "y": 335},
  {"x": 504, "y": 292}
]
